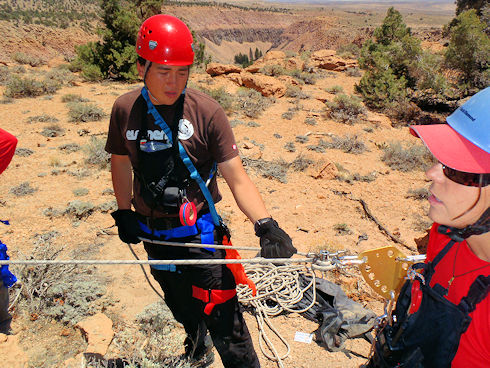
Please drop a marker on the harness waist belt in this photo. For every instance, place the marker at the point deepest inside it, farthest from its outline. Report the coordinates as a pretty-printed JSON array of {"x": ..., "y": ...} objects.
[{"x": 212, "y": 297}]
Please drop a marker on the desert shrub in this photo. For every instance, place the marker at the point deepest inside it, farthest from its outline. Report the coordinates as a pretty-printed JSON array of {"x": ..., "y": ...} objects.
[
  {"x": 346, "y": 109},
  {"x": 302, "y": 138},
  {"x": 347, "y": 143},
  {"x": 310, "y": 121},
  {"x": 347, "y": 177},
  {"x": 224, "y": 98},
  {"x": 406, "y": 158},
  {"x": 23, "y": 58},
  {"x": 96, "y": 154},
  {"x": 277, "y": 136},
  {"x": 469, "y": 50},
  {"x": 18, "y": 87},
  {"x": 23, "y": 152},
  {"x": 79, "y": 209},
  {"x": 296, "y": 92},
  {"x": 353, "y": 72},
  {"x": 253, "y": 124},
  {"x": 60, "y": 76},
  {"x": 251, "y": 102},
  {"x": 288, "y": 115},
  {"x": 107, "y": 206},
  {"x": 335, "y": 89},
  {"x": 421, "y": 224},
  {"x": 272, "y": 70},
  {"x": 342, "y": 229},
  {"x": 65, "y": 293},
  {"x": 236, "y": 122},
  {"x": 80, "y": 192},
  {"x": 349, "y": 51},
  {"x": 307, "y": 78},
  {"x": 301, "y": 163},
  {"x": 52, "y": 131},
  {"x": 6, "y": 100},
  {"x": 45, "y": 118},
  {"x": 71, "y": 97},
  {"x": 316, "y": 148},
  {"x": 276, "y": 169},
  {"x": 418, "y": 194},
  {"x": 289, "y": 146},
  {"x": 83, "y": 112},
  {"x": 23, "y": 189},
  {"x": 4, "y": 74},
  {"x": 69, "y": 147}
]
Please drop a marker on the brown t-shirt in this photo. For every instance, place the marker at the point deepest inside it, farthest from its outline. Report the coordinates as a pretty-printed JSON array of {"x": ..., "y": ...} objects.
[{"x": 205, "y": 134}]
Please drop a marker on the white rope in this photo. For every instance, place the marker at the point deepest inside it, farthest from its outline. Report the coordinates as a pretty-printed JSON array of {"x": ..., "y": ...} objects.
[
  {"x": 197, "y": 245},
  {"x": 278, "y": 289},
  {"x": 152, "y": 262}
]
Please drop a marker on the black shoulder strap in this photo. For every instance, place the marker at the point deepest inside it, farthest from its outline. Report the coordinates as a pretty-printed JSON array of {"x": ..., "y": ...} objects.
[{"x": 478, "y": 291}]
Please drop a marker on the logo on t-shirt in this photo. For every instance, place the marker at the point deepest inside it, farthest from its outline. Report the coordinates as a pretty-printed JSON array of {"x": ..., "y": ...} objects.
[{"x": 186, "y": 130}]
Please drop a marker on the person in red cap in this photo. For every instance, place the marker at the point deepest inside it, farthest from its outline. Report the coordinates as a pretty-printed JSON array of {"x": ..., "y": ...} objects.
[
  {"x": 7, "y": 149},
  {"x": 174, "y": 139},
  {"x": 442, "y": 315}
]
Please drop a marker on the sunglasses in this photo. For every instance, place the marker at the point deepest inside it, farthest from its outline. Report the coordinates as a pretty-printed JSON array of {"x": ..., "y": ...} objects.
[{"x": 464, "y": 178}]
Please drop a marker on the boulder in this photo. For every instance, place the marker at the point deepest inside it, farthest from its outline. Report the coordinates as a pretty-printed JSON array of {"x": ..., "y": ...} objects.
[
  {"x": 214, "y": 69},
  {"x": 98, "y": 332},
  {"x": 235, "y": 78},
  {"x": 268, "y": 86},
  {"x": 295, "y": 64},
  {"x": 327, "y": 59},
  {"x": 274, "y": 55}
]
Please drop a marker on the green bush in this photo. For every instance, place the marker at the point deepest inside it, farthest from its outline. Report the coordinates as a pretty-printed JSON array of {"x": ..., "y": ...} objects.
[
  {"x": 350, "y": 51},
  {"x": 295, "y": 92},
  {"x": 18, "y": 87},
  {"x": 469, "y": 50},
  {"x": 346, "y": 109},
  {"x": 83, "y": 112}
]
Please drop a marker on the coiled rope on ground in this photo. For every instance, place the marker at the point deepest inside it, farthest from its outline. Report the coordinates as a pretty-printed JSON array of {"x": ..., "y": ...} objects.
[{"x": 279, "y": 289}]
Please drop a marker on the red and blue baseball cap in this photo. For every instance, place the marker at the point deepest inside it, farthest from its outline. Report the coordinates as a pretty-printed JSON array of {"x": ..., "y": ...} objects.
[{"x": 464, "y": 142}]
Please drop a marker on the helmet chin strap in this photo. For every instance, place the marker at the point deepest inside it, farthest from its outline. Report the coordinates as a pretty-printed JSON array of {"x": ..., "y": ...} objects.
[
  {"x": 147, "y": 67},
  {"x": 481, "y": 226}
]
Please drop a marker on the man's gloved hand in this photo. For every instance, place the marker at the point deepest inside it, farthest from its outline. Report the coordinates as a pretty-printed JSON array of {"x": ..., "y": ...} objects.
[
  {"x": 127, "y": 226},
  {"x": 274, "y": 241}
]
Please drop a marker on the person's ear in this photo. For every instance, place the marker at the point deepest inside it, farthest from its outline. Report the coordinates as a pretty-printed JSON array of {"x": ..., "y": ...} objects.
[{"x": 141, "y": 70}]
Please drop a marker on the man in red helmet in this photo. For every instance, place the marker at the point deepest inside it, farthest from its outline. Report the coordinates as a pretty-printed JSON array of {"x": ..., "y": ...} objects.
[{"x": 173, "y": 138}]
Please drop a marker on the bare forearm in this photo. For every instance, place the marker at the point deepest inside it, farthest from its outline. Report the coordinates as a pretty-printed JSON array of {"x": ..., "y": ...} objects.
[{"x": 122, "y": 180}]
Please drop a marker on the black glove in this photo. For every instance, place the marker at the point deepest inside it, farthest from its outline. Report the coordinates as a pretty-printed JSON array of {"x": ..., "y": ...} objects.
[
  {"x": 274, "y": 241},
  {"x": 127, "y": 226}
]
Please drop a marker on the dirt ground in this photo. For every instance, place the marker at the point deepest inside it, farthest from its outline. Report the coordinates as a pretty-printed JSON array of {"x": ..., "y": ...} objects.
[{"x": 309, "y": 209}]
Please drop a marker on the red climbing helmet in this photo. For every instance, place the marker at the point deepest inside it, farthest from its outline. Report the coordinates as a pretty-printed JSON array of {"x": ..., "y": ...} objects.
[{"x": 165, "y": 39}]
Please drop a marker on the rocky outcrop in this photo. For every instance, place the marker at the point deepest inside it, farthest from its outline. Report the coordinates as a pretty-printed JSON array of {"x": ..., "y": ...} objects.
[
  {"x": 276, "y": 58},
  {"x": 214, "y": 69},
  {"x": 268, "y": 86},
  {"x": 327, "y": 59},
  {"x": 242, "y": 35}
]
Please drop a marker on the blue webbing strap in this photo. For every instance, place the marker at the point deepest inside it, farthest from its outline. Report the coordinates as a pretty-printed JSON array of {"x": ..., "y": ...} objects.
[
  {"x": 7, "y": 277},
  {"x": 184, "y": 156}
]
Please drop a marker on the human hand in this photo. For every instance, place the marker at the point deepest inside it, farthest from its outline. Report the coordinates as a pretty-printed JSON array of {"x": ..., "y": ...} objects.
[
  {"x": 274, "y": 241},
  {"x": 127, "y": 226}
]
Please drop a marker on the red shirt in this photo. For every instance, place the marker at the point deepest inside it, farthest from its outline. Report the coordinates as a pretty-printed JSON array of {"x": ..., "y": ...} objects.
[
  {"x": 7, "y": 148},
  {"x": 474, "y": 346}
]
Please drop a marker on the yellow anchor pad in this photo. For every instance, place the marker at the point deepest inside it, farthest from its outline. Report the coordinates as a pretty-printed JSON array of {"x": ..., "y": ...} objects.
[{"x": 384, "y": 269}]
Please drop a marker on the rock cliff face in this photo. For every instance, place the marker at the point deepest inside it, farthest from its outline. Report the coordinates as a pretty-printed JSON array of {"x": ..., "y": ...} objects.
[{"x": 242, "y": 35}]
